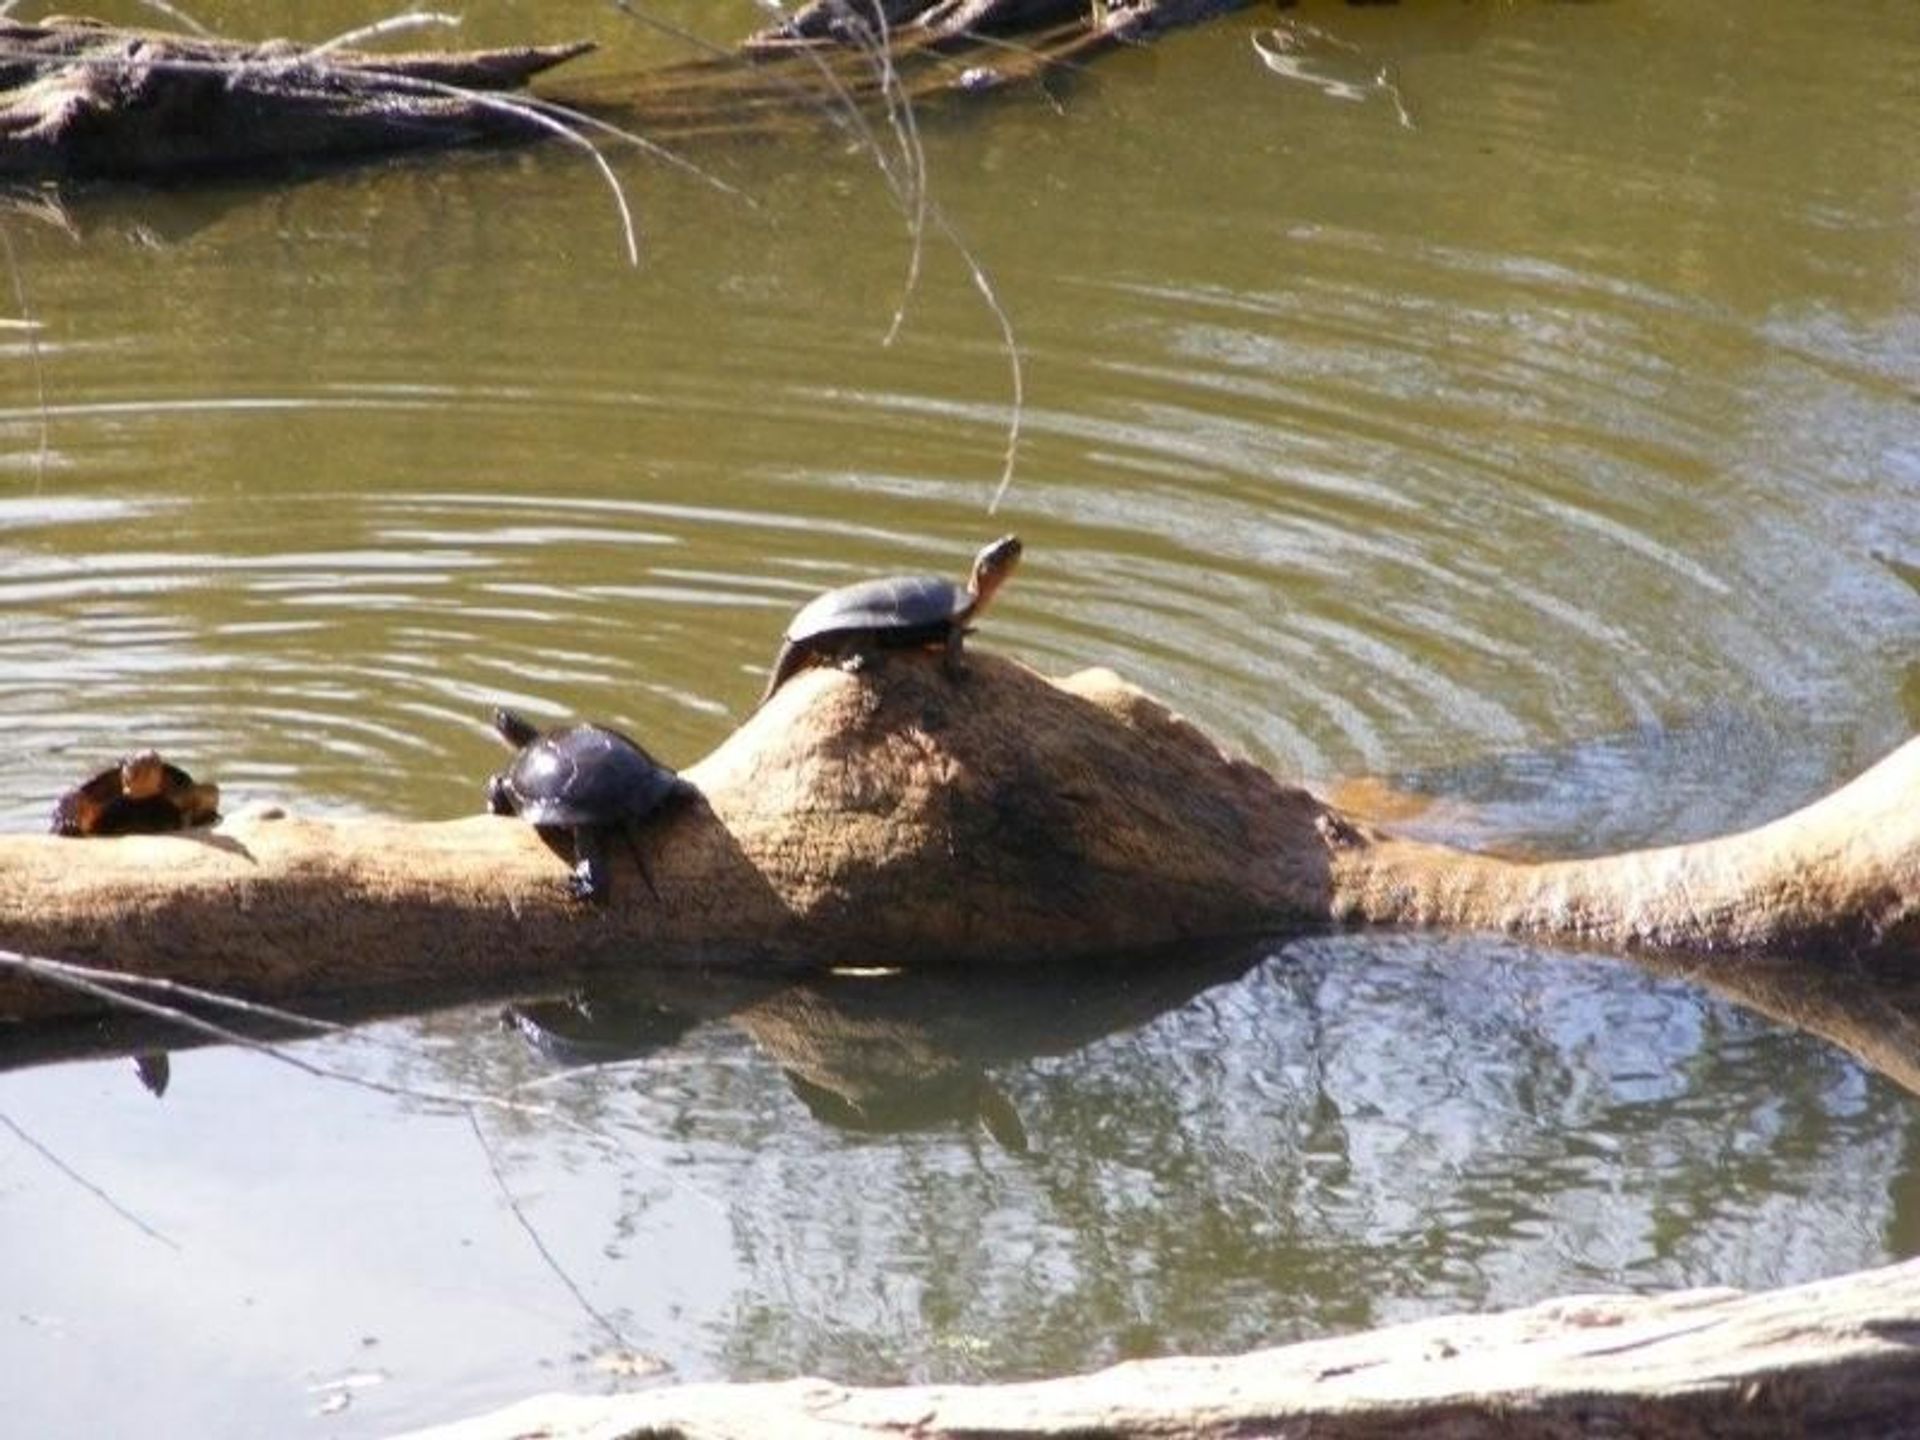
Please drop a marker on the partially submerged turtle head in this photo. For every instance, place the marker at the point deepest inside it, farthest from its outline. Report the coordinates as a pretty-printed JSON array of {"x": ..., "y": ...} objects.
[
  {"x": 143, "y": 775},
  {"x": 991, "y": 567}
]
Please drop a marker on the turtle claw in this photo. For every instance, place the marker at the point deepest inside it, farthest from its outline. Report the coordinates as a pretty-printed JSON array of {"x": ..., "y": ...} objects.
[
  {"x": 584, "y": 883},
  {"x": 588, "y": 881}
]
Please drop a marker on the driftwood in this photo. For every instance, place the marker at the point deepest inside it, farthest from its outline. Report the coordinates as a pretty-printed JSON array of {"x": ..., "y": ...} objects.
[
  {"x": 901, "y": 816},
  {"x": 79, "y": 98},
  {"x": 1834, "y": 1358}
]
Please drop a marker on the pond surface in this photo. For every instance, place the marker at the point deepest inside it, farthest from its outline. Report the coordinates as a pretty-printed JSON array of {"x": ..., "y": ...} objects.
[{"x": 1519, "y": 402}]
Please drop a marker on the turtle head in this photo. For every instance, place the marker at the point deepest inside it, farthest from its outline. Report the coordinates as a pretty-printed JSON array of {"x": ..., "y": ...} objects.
[
  {"x": 143, "y": 775},
  {"x": 992, "y": 566}
]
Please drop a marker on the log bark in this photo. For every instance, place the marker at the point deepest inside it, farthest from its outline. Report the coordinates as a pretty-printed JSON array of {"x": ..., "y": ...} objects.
[
  {"x": 1834, "y": 1358},
  {"x": 78, "y": 98},
  {"x": 906, "y": 817},
  {"x": 1840, "y": 876}
]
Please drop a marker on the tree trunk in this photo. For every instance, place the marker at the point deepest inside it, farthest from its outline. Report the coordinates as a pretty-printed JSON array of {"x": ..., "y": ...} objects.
[{"x": 904, "y": 816}]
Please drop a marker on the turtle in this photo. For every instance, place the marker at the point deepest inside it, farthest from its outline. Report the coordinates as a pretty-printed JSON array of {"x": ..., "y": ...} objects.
[
  {"x": 577, "y": 785},
  {"x": 902, "y": 612},
  {"x": 142, "y": 795}
]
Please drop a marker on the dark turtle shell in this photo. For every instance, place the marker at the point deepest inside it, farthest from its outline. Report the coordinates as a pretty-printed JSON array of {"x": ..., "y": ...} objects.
[
  {"x": 579, "y": 786},
  {"x": 898, "y": 612},
  {"x": 580, "y": 775},
  {"x": 142, "y": 795},
  {"x": 900, "y": 602}
]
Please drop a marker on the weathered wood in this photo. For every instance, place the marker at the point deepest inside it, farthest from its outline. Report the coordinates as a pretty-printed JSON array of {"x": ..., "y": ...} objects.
[
  {"x": 913, "y": 25},
  {"x": 903, "y": 816},
  {"x": 1840, "y": 876},
  {"x": 1835, "y": 1358},
  {"x": 852, "y": 816},
  {"x": 80, "y": 98}
]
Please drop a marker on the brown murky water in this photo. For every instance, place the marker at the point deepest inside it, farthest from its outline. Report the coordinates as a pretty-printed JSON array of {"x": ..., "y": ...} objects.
[{"x": 1517, "y": 400}]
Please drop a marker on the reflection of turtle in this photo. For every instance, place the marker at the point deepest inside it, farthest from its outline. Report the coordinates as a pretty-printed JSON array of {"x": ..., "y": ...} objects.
[
  {"x": 904, "y": 612},
  {"x": 965, "y": 1096},
  {"x": 142, "y": 795},
  {"x": 577, "y": 784},
  {"x": 596, "y": 1028}
]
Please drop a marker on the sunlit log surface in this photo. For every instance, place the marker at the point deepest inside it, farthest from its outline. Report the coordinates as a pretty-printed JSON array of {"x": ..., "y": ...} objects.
[
  {"x": 901, "y": 816},
  {"x": 1834, "y": 1358}
]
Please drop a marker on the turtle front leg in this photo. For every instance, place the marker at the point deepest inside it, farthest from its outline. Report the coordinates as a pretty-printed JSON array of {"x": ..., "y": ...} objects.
[
  {"x": 499, "y": 798},
  {"x": 639, "y": 860},
  {"x": 589, "y": 878},
  {"x": 951, "y": 661}
]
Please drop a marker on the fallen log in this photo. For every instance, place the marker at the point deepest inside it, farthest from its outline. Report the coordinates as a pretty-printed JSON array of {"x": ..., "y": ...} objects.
[
  {"x": 905, "y": 817},
  {"x": 1833, "y": 1358},
  {"x": 78, "y": 98}
]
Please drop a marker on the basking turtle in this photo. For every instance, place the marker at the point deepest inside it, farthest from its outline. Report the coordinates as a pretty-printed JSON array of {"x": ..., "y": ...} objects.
[
  {"x": 903, "y": 612},
  {"x": 577, "y": 785},
  {"x": 142, "y": 795}
]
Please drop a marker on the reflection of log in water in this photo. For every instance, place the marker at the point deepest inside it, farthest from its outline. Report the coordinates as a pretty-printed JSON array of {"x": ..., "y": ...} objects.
[
  {"x": 891, "y": 1052},
  {"x": 1870, "y": 1010},
  {"x": 884, "y": 1051}
]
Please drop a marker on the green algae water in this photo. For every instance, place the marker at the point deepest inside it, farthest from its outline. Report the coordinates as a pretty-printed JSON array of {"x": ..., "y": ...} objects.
[{"x": 1516, "y": 401}]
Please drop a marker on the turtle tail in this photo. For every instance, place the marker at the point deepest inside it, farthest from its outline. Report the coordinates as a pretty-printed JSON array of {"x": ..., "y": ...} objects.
[
  {"x": 515, "y": 729},
  {"x": 786, "y": 664}
]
